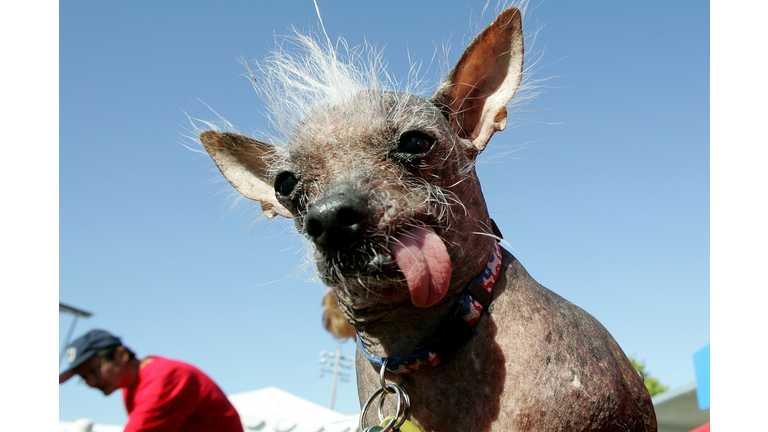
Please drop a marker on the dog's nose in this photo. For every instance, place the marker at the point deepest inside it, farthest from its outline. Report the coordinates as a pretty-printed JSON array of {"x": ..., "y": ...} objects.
[{"x": 337, "y": 222}]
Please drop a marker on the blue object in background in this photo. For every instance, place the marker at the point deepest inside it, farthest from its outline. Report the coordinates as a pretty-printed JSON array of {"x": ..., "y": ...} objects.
[{"x": 701, "y": 366}]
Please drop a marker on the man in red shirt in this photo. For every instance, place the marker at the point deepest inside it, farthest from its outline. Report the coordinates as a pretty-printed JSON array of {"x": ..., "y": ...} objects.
[{"x": 160, "y": 394}]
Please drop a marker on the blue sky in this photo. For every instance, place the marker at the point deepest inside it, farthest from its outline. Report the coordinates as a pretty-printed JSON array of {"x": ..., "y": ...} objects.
[{"x": 605, "y": 198}]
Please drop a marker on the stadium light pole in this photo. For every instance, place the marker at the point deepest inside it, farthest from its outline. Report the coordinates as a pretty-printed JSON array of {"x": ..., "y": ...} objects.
[{"x": 337, "y": 364}]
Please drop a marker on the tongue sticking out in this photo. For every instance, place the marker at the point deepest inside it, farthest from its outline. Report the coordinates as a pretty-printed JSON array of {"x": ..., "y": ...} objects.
[{"x": 424, "y": 260}]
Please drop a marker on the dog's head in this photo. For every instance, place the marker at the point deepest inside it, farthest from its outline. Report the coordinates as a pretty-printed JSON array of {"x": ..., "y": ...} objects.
[{"x": 383, "y": 183}]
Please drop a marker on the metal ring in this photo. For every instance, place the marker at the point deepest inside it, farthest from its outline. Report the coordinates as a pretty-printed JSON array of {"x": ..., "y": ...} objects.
[
  {"x": 401, "y": 413},
  {"x": 403, "y": 406},
  {"x": 367, "y": 405},
  {"x": 380, "y": 412},
  {"x": 382, "y": 382}
]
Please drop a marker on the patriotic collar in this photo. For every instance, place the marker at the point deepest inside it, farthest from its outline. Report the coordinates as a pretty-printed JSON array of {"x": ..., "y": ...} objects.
[{"x": 454, "y": 329}]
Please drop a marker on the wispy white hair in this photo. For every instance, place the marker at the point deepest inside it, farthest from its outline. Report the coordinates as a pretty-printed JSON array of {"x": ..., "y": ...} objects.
[
  {"x": 301, "y": 73},
  {"x": 305, "y": 70}
]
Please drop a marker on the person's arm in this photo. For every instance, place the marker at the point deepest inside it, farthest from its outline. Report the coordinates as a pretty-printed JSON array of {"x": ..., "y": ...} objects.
[{"x": 164, "y": 402}]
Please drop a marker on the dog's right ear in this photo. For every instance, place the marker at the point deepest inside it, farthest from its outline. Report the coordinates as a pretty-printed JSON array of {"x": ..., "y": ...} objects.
[
  {"x": 476, "y": 92},
  {"x": 245, "y": 164}
]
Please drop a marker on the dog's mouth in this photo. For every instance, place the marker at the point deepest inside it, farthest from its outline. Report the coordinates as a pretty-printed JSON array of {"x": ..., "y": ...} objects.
[{"x": 417, "y": 257}]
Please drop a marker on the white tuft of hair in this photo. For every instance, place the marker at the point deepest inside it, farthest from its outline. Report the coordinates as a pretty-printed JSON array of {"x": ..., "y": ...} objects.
[{"x": 303, "y": 71}]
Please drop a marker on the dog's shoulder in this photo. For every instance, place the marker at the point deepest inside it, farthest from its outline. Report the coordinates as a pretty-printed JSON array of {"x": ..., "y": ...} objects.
[{"x": 555, "y": 350}]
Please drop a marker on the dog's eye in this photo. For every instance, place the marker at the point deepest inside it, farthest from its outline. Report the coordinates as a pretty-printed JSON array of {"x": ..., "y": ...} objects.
[
  {"x": 285, "y": 184},
  {"x": 414, "y": 143}
]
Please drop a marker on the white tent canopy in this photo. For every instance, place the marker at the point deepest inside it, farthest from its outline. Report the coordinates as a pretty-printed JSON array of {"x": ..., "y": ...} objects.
[
  {"x": 273, "y": 410},
  {"x": 265, "y": 410},
  {"x": 86, "y": 425}
]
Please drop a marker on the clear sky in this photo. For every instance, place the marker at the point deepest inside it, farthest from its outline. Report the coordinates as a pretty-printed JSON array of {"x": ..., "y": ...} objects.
[{"x": 601, "y": 188}]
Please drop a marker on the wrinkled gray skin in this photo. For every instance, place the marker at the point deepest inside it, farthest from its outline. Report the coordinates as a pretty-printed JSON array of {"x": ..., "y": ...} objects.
[{"x": 536, "y": 362}]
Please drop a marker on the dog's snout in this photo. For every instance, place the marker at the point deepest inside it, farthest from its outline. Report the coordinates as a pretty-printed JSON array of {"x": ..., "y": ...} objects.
[{"x": 337, "y": 222}]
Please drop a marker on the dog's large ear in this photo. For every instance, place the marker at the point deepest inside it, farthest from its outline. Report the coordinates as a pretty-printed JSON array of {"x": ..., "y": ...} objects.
[
  {"x": 478, "y": 89},
  {"x": 245, "y": 164}
]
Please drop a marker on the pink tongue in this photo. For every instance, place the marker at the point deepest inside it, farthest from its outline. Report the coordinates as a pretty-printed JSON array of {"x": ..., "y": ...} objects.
[{"x": 424, "y": 260}]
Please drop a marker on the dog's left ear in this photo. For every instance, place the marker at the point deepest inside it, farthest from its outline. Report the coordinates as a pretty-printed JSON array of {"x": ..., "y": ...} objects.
[
  {"x": 246, "y": 164},
  {"x": 485, "y": 79}
]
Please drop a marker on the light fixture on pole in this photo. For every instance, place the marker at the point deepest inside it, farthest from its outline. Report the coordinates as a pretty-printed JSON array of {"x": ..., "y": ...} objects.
[{"x": 77, "y": 313}]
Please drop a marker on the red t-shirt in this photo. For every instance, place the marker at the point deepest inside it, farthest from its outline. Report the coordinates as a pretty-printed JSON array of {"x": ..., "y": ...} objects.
[{"x": 174, "y": 396}]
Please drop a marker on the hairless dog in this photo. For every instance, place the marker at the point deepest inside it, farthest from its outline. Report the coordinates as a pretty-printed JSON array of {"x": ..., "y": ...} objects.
[{"x": 453, "y": 333}]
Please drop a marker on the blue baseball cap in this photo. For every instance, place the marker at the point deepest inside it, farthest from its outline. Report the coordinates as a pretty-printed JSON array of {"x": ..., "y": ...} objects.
[{"x": 85, "y": 347}]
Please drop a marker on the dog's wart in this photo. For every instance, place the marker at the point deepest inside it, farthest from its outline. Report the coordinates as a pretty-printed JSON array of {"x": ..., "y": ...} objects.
[{"x": 383, "y": 184}]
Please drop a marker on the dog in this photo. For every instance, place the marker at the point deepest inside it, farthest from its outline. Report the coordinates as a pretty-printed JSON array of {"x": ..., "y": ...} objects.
[{"x": 383, "y": 185}]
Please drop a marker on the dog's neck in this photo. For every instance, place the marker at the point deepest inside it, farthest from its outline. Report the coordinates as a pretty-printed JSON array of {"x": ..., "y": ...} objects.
[
  {"x": 454, "y": 329},
  {"x": 396, "y": 330}
]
